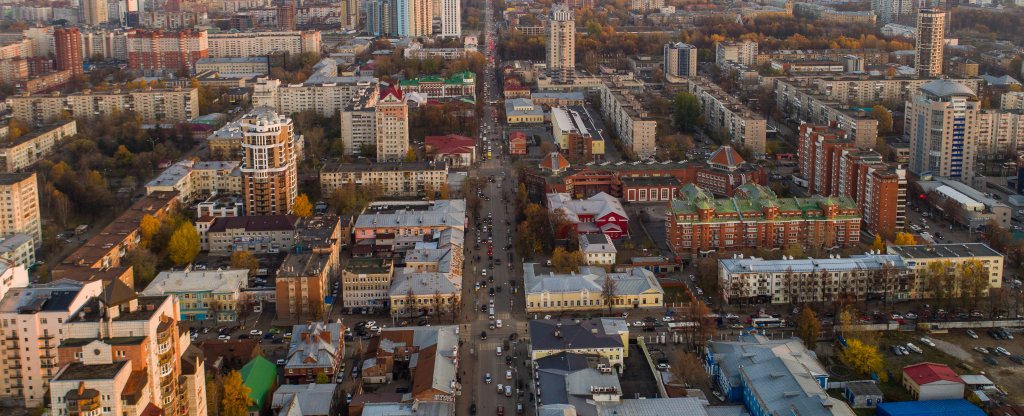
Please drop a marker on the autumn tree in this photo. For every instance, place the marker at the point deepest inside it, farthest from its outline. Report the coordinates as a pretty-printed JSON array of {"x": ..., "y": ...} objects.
[
  {"x": 904, "y": 239},
  {"x": 245, "y": 260},
  {"x": 863, "y": 359},
  {"x": 972, "y": 281},
  {"x": 878, "y": 244},
  {"x": 322, "y": 378},
  {"x": 444, "y": 192},
  {"x": 183, "y": 247},
  {"x": 847, "y": 317},
  {"x": 808, "y": 327},
  {"x": 937, "y": 276},
  {"x": 565, "y": 261},
  {"x": 688, "y": 369},
  {"x": 149, "y": 227},
  {"x": 302, "y": 207},
  {"x": 884, "y": 118},
  {"x": 144, "y": 266},
  {"x": 235, "y": 400},
  {"x": 608, "y": 293}
]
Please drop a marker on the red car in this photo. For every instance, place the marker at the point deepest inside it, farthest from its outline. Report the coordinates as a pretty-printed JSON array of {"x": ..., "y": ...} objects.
[{"x": 501, "y": 410}]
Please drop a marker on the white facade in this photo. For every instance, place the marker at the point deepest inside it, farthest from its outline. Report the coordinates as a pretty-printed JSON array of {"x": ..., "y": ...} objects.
[
  {"x": 931, "y": 33},
  {"x": 244, "y": 44},
  {"x": 561, "y": 45},
  {"x": 451, "y": 18}
]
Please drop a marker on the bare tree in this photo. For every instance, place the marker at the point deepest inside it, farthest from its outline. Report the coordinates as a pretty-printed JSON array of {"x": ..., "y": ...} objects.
[
  {"x": 688, "y": 369},
  {"x": 608, "y": 292}
]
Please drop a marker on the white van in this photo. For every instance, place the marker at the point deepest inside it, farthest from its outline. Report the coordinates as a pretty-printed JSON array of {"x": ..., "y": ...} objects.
[
  {"x": 497, "y": 323},
  {"x": 497, "y": 351},
  {"x": 491, "y": 312}
]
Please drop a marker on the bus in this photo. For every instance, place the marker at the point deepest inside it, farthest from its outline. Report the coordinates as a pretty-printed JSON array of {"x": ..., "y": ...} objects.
[{"x": 768, "y": 322}]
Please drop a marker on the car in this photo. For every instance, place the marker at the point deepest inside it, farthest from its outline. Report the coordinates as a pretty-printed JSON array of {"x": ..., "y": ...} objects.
[
  {"x": 910, "y": 315},
  {"x": 667, "y": 319},
  {"x": 280, "y": 362},
  {"x": 348, "y": 398},
  {"x": 519, "y": 408},
  {"x": 693, "y": 278},
  {"x": 371, "y": 323},
  {"x": 663, "y": 366},
  {"x": 487, "y": 378},
  {"x": 982, "y": 350},
  {"x": 1002, "y": 351},
  {"x": 990, "y": 360},
  {"x": 927, "y": 341},
  {"x": 914, "y": 348},
  {"x": 374, "y": 328},
  {"x": 500, "y": 411},
  {"x": 501, "y": 388},
  {"x": 1017, "y": 359},
  {"x": 508, "y": 374},
  {"x": 638, "y": 323},
  {"x": 256, "y": 332},
  {"x": 972, "y": 334},
  {"x": 472, "y": 408},
  {"x": 508, "y": 391},
  {"x": 497, "y": 323},
  {"x": 483, "y": 334},
  {"x": 223, "y": 337}
]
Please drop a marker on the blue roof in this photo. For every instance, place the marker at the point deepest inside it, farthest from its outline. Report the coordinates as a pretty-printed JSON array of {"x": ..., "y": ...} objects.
[{"x": 957, "y": 407}]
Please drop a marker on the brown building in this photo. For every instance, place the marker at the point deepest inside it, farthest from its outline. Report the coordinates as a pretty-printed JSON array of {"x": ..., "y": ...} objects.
[
  {"x": 517, "y": 143},
  {"x": 301, "y": 285},
  {"x": 579, "y": 147},
  {"x": 819, "y": 149},
  {"x": 698, "y": 224},
  {"x": 44, "y": 83},
  {"x": 20, "y": 212},
  {"x": 157, "y": 50},
  {"x": 229, "y": 354},
  {"x": 68, "y": 44},
  {"x": 269, "y": 165},
  {"x": 879, "y": 190}
]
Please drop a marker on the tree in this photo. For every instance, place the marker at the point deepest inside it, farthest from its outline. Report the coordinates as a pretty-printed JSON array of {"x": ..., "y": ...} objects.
[
  {"x": 688, "y": 369},
  {"x": 972, "y": 281},
  {"x": 245, "y": 260},
  {"x": 863, "y": 359},
  {"x": 808, "y": 327},
  {"x": 608, "y": 290},
  {"x": 301, "y": 206},
  {"x": 411, "y": 155},
  {"x": 936, "y": 275},
  {"x": 904, "y": 239},
  {"x": 322, "y": 378},
  {"x": 144, "y": 265},
  {"x": 687, "y": 111},
  {"x": 183, "y": 247},
  {"x": 445, "y": 192},
  {"x": 878, "y": 244},
  {"x": 846, "y": 319},
  {"x": 236, "y": 400},
  {"x": 16, "y": 128},
  {"x": 566, "y": 261},
  {"x": 149, "y": 226},
  {"x": 884, "y": 118}
]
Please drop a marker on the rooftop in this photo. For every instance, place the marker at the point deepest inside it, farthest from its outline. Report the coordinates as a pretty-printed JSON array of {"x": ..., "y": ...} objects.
[
  {"x": 945, "y": 88},
  {"x": 368, "y": 166},
  {"x": 940, "y": 251},
  {"x": 35, "y": 133},
  {"x": 927, "y": 373},
  {"x": 567, "y": 334},
  {"x": 852, "y": 263},
  {"x": 41, "y": 297},
  {"x": 245, "y": 59},
  {"x": 957, "y": 407},
  {"x": 13, "y": 178},
  {"x": 303, "y": 265},
  {"x": 216, "y": 281},
  {"x": 392, "y": 214},
  {"x": 74, "y": 371},
  {"x": 312, "y": 399},
  {"x": 252, "y": 223},
  {"x": 634, "y": 281}
]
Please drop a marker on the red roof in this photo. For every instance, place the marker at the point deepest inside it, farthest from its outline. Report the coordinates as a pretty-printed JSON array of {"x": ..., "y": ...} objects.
[
  {"x": 926, "y": 373},
  {"x": 392, "y": 90},
  {"x": 555, "y": 162},
  {"x": 449, "y": 145},
  {"x": 726, "y": 156}
]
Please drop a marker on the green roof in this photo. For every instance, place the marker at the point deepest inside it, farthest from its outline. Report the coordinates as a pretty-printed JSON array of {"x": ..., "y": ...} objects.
[
  {"x": 750, "y": 202},
  {"x": 456, "y": 78},
  {"x": 259, "y": 374}
]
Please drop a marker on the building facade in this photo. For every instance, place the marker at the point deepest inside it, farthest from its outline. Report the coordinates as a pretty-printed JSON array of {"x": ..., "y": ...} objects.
[
  {"x": 68, "y": 48},
  {"x": 391, "y": 178},
  {"x": 262, "y": 43},
  {"x": 365, "y": 284},
  {"x": 270, "y": 165},
  {"x": 302, "y": 286},
  {"x": 723, "y": 112},
  {"x": 634, "y": 289},
  {"x": 744, "y": 52},
  {"x": 680, "y": 60},
  {"x": 451, "y": 19},
  {"x": 942, "y": 123},
  {"x": 20, "y": 215},
  {"x": 931, "y": 40},
  {"x": 621, "y": 107},
  {"x": 918, "y": 257},
  {"x": 159, "y": 50},
  {"x": 857, "y": 278},
  {"x": 561, "y": 44},
  {"x": 154, "y": 106},
  {"x": 392, "y": 123},
  {"x": 204, "y": 296},
  {"x": 20, "y": 153}
]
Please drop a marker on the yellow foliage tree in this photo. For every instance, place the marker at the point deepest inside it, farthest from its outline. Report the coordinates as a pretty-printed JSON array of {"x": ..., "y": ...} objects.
[
  {"x": 302, "y": 207},
  {"x": 245, "y": 260},
  {"x": 236, "y": 399},
  {"x": 148, "y": 228},
  {"x": 863, "y": 358},
  {"x": 878, "y": 244},
  {"x": 183, "y": 246},
  {"x": 905, "y": 239},
  {"x": 565, "y": 261}
]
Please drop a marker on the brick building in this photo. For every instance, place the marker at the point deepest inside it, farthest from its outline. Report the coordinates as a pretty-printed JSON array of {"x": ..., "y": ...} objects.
[
  {"x": 160, "y": 50},
  {"x": 68, "y": 44},
  {"x": 697, "y": 223},
  {"x": 819, "y": 149}
]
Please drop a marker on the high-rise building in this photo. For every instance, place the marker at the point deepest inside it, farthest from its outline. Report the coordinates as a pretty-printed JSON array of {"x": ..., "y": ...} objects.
[
  {"x": 269, "y": 165},
  {"x": 892, "y": 11},
  {"x": 879, "y": 190},
  {"x": 931, "y": 34},
  {"x": 819, "y": 149},
  {"x": 380, "y": 17},
  {"x": 349, "y": 14},
  {"x": 286, "y": 15},
  {"x": 680, "y": 60},
  {"x": 20, "y": 213},
  {"x": 94, "y": 12},
  {"x": 451, "y": 18},
  {"x": 68, "y": 45},
  {"x": 392, "y": 126},
  {"x": 33, "y": 319},
  {"x": 561, "y": 47},
  {"x": 406, "y": 18},
  {"x": 942, "y": 122},
  {"x": 157, "y": 49},
  {"x": 744, "y": 52}
]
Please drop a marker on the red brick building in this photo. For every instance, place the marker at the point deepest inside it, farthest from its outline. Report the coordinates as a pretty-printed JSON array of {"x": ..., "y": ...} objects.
[
  {"x": 517, "y": 143},
  {"x": 579, "y": 147},
  {"x": 819, "y": 149},
  {"x": 698, "y": 224},
  {"x": 68, "y": 44},
  {"x": 601, "y": 213},
  {"x": 158, "y": 50},
  {"x": 879, "y": 190}
]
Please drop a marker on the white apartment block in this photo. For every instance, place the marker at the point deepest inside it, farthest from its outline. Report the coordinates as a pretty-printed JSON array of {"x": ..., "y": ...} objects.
[
  {"x": 392, "y": 124},
  {"x": 394, "y": 179},
  {"x": 249, "y": 44},
  {"x": 195, "y": 180},
  {"x": 171, "y": 105},
  {"x": 32, "y": 324},
  {"x": 917, "y": 259},
  {"x": 725, "y": 113},
  {"x": 754, "y": 280},
  {"x": 18, "y": 154},
  {"x": 358, "y": 130},
  {"x": 20, "y": 215},
  {"x": 365, "y": 283},
  {"x": 109, "y": 44},
  {"x": 18, "y": 250},
  {"x": 744, "y": 52},
  {"x": 227, "y": 67},
  {"x": 627, "y": 115},
  {"x": 324, "y": 92},
  {"x": 1012, "y": 101},
  {"x": 451, "y": 19}
]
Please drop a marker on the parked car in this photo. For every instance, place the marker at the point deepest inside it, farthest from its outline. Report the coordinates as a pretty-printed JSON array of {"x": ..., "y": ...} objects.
[
  {"x": 487, "y": 378},
  {"x": 982, "y": 350},
  {"x": 914, "y": 348},
  {"x": 927, "y": 341},
  {"x": 972, "y": 334}
]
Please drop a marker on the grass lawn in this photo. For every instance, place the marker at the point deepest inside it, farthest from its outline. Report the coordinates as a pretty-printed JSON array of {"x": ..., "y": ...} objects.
[{"x": 891, "y": 389}]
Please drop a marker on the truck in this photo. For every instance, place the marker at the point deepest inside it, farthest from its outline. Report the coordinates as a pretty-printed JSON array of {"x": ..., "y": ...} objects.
[{"x": 81, "y": 229}]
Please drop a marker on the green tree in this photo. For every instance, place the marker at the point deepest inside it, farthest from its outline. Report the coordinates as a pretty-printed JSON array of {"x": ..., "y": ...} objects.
[
  {"x": 686, "y": 111},
  {"x": 183, "y": 247},
  {"x": 863, "y": 358},
  {"x": 245, "y": 260},
  {"x": 144, "y": 266},
  {"x": 322, "y": 378},
  {"x": 236, "y": 400},
  {"x": 301, "y": 206},
  {"x": 884, "y": 118},
  {"x": 808, "y": 327}
]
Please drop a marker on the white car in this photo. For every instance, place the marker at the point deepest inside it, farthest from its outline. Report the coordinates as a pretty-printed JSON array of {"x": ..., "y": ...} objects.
[
  {"x": 371, "y": 323},
  {"x": 497, "y": 324},
  {"x": 508, "y": 374},
  {"x": 927, "y": 341},
  {"x": 1003, "y": 351},
  {"x": 256, "y": 332},
  {"x": 667, "y": 319},
  {"x": 224, "y": 337},
  {"x": 638, "y": 323},
  {"x": 487, "y": 378}
]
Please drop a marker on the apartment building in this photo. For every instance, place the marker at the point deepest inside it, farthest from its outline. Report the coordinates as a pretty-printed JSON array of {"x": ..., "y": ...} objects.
[
  {"x": 879, "y": 190},
  {"x": 392, "y": 122},
  {"x": 623, "y": 109},
  {"x": 154, "y": 106},
  {"x": 93, "y": 12},
  {"x": 646, "y": 6},
  {"x": 410, "y": 218},
  {"x": 262, "y": 43},
  {"x": 235, "y": 67},
  {"x": 607, "y": 338},
  {"x": 252, "y": 233},
  {"x": 744, "y": 52},
  {"x": 943, "y": 126},
  {"x": 561, "y": 44},
  {"x": 301, "y": 285},
  {"x": 323, "y": 92},
  {"x": 160, "y": 50},
  {"x": 432, "y": 355},
  {"x": 20, "y": 215},
  {"x": 819, "y": 149},
  {"x": 20, "y": 153},
  {"x": 43, "y": 83},
  {"x": 552, "y": 292},
  {"x": 365, "y": 283},
  {"x": 18, "y": 250},
  {"x": 198, "y": 180},
  {"x": 316, "y": 348},
  {"x": 202, "y": 295},
  {"x": 451, "y": 19},
  {"x": 860, "y": 90},
  {"x": 414, "y": 294},
  {"x": 13, "y": 70},
  {"x": 270, "y": 163},
  {"x": 808, "y": 106},
  {"x": 930, "y": 42},
  {"x": 68, "y": 48},
  {"x": 680, "y": 60},
  {"x": 32, "y": 319},
  {"x": 725, "y": 113},
  {"x": 787, "y": 281},
  {"x": 918, "y": 258},
  {"x": 120, "y": 330},
  {"x": 108, "y": 43},
  {"x": 401, "y": 179},
  {"x": 756, "y": 218}
]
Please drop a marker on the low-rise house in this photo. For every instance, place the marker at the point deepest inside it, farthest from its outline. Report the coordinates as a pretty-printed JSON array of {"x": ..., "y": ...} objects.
[
  {"x": 607, "y": 338},
  {"x": 591, "y": 289},
  {"x": 315, "y": 349},
  {"x": 410, "y": 218},
  {"x": 597, "y": 249},
  {"x": 206, "y": 295},
  {"x": 260, "y": 376},
  {"x": 429, "y": 352},
  {"x": 601, "y": 213},
  {"x": 423, "y": 293},
  {"x": 863, "y": 394},
  {"x": 252, "y": 233},
  {"x": 452, "y": 149},
  {"x": 224, "y": 355},
  {"x": 308, "y": 400},
  {"x": 930, "y": 381},
  {"x": 523, "y": 111}
]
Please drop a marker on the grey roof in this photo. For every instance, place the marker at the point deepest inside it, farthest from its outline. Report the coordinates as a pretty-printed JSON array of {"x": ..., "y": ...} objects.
[
  {"x": 682, "y": 406},
  {"x": 445, "y": 352},
  {"x": 596, "y": 243},
  {"x": 945, "y": 88},
  {"x": 312, "y": 399},
  {"x": 450, "y": 213},
  {"x": 864, "y": 387},
  {"x": 1004, "y": 80},
  {"x": 421, "y": 283},
  {"x": 852, "y": 263},
  {"x": 634, "y": 281},
  {"x": 567, "y": 335},
  {"x": 567, "y": 378},
  {"x": 409, "y": 409},
  {"x": 42, "y": 297},
  {"x": 234, "y": 59},
  {"x": 514, "y": 107},
  {"x": 13, "y": 241},
  {"x": 214, "y": 281},
  {"x": 557, "y": 410},
  {"x": 598, "y": 205},
  {"x": 309, "y": 350},
  {"x": 938, "y": 251}
]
